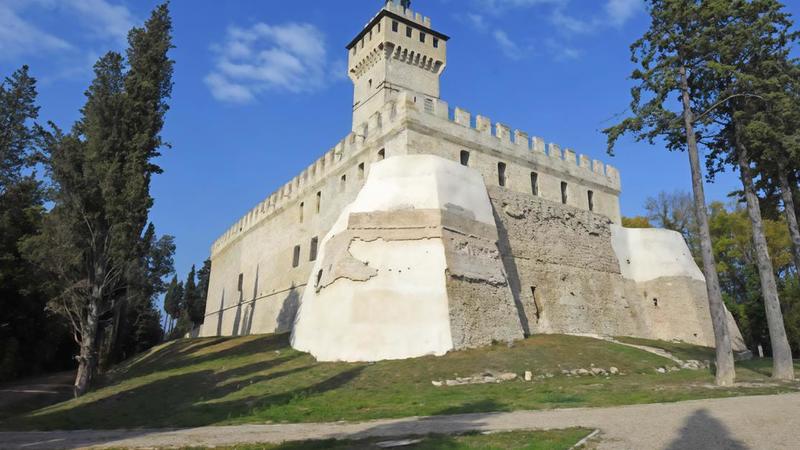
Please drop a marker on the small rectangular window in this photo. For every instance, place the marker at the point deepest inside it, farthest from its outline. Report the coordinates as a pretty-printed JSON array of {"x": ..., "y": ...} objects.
[
  {"x": 361, "y": 171},
  {"x": 343, "y": 183},
  {"x": 409, "y": 32},
  {"x": 464, "y": 158},
  {"x": 422, "y": 37},
  {"x": 378, "y": 28},
  {"x": 534, "y": 183},
  {"x": 319, "y": 201},
  {"x": 312, "y": 254},
  {"x": 591, "y": 200},
  {"x": 395, "y": 26},
  {"x": 296, "y": 256},
  {"x": 240, "y": 284},
  {"x": 381, "y": 154},
  {"x": 370, "y": 35},
  {"x": 429, "y": 105},
  {"x": 300, "y": 212},
  {"x": 435, "y": 42},
  {"x": 501, "y": 174},
  {"x": 362, "y": 43},
  {"x": 564, "y": 193}
]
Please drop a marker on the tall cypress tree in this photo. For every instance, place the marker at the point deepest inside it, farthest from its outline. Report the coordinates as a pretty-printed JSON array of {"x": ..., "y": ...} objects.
[{"x": 102, "y": 171}]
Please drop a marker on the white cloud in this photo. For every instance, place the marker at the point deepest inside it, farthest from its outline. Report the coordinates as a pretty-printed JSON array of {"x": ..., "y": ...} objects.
[
  {"x": 19, "y": 37},
  {"x": 620, "y": 11},
  {"x": 509, "y": 47},
  {"x": 283, "y": 58},
  {"x": 106, "y": 19}
]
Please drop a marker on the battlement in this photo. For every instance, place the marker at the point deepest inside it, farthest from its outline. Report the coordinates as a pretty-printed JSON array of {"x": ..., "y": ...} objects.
[
  {"x": 393, "y": 115},
  {"x": 408, "y": 13},
  {"x": 520, "y": 143}
]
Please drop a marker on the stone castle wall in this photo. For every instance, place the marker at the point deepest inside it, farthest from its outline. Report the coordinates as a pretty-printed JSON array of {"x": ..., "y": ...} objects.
[{"x": 254, "y": 287}]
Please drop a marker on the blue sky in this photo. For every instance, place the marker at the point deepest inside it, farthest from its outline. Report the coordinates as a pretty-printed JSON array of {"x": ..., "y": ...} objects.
[{"x": 260, "y": 88}]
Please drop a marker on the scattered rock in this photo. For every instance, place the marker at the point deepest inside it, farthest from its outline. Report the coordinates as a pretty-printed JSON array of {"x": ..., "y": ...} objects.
[
  {"x": 507, "y": 376},
  {"x": 598, "y": 371},
  {"x": 528, "y": 375},
  {"x": 437, "y": 383},
  {"x": 661, "y": 370},
  {"x": 613, "y": 371},
  {"x": 582, "y": 372},
  {"x": 395, "y": 444},
  {"x": 548, "y": 375}
]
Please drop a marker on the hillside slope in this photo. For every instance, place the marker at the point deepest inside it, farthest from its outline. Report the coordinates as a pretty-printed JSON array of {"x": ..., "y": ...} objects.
[{"x": 261, "y": 379}]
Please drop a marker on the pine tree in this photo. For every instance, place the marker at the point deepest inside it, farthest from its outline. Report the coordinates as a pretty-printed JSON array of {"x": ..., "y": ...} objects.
[
  {"x": 102, "y": 171},
  {"x": 754, "y": 43},
  {"x": 673, "y": 57}
]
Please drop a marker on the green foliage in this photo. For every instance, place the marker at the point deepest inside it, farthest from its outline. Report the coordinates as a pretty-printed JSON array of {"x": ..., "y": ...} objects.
[
  {"x": 17, "y": 137},
  {"x": 259, "y": 379},
  {"x": 736, "y": 264},
  {"x": 31, "y": 340},
  {"x": 95, "y": 241},
  {"x": 636, "y": 222}
]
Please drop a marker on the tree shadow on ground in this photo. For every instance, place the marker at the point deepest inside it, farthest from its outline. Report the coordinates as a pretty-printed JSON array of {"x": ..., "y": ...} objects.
[
  {"x": 174, "y": 401},
  {"x": 704, "y": 431},
  {"x": 183, "y": 354}
]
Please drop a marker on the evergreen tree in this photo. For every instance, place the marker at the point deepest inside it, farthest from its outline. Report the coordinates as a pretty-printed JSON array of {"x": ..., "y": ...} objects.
[
  {"x": 31, "y": 339},
  {"x": 754, "y": 41},
  {"x": 199, "y": 309},
  {"x": 102, "y": 171},
  {"x": 190, "y": 295},
  {"x": 672, "y": 59},
  {"x": 172, "y": 302}
]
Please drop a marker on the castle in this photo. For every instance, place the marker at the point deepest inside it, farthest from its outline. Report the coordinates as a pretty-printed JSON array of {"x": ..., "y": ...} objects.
[{"x": 428, "y": 229}]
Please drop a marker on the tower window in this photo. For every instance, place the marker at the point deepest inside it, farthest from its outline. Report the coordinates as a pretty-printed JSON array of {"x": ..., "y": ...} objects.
[
  {"x": 343, "y": 183},
  {"x": 422, "y": 37},
  {"x": 296, "y": 256},
  {"x": 378, "y": 28},
  {"x": 300, "y": 212},
  {"x": 319, "y": 201},
  {"x": 361, "y": 171},
  {"x": 381, "y": 154},
  {"x": 501, "y": 174},
  {"x": 409, "y": 32},
  {"x": 312, "y": 254},
  {"x": 534, "y": 183},
  {"x": 564, "y": 196},
  {"x": 395, "y": 26},
  {"x": 591, "y": 200},
  {"x": 240, "y": 284},
  {"x": 370, "y": 84},
  {"x": 464, "y": 158},
  {"x": 435, "y": 42},
  {"x": 429, "y": 105}
]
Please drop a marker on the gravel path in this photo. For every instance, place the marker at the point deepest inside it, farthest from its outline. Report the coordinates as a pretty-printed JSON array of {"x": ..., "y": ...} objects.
[{"x": 761, "y": 422}]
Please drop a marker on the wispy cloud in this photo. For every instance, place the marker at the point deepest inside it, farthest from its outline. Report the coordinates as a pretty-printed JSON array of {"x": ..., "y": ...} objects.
[
  {"x": 566, "y": 16},
  {"x": 280, "y": 58},
  {"x": 107, "y": 20},
  {"x": 619, "y": 12},
  {"x": 509, "y": 47},
  {"x": 19, "y": 36}
]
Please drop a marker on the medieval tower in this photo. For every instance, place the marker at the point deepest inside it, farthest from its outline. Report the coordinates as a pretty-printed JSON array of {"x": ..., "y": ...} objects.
[{"x": 428, "y": 229}]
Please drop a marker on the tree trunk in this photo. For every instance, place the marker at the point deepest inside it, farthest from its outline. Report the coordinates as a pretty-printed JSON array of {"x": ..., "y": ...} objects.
[
  {"x": 87, "y": 360},
  {"x": 726, "y": 372},
  {"x": 790, "y": 213},
  {"x": 782, "y": 368}
]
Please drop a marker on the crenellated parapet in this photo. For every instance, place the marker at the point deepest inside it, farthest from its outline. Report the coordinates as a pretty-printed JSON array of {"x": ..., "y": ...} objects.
[
  {"x": 498, "y": 136},
  {"x": 336, "y": 158},
  {"x": 519, "y": 143},
  {"x": 408, "y": 13}
]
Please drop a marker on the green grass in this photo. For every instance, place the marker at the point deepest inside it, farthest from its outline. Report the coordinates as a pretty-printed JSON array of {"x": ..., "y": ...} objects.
[
  {"x": 260, "y": 379},
  {"x": 514, "y": 440}
]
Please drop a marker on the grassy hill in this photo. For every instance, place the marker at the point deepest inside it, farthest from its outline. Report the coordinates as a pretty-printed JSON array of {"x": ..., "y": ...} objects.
[{"x": 258, "y": 379}]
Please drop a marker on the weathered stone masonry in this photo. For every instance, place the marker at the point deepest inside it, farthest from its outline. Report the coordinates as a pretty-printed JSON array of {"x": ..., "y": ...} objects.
[{"x": 548, "y": 257}]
